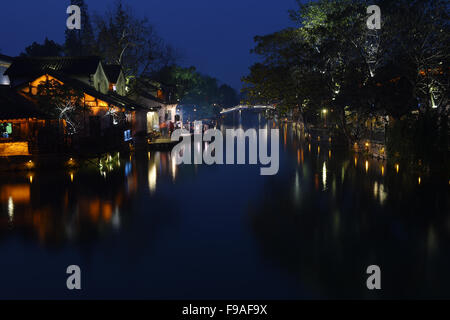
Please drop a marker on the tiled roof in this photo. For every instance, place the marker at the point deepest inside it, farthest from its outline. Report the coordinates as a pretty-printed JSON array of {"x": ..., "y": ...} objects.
[
  {"x": 15, "y": 106},
  {"x": 142, "y": 88},
  {"x": 149, "y": 96},
  {"x": 111, "y": 98},
  {"x": 5, "y": 58},
  {"x": 68, "y": 65}
]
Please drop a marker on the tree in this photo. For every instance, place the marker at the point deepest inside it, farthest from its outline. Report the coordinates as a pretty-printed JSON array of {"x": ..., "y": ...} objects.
[
  {"x": 48, "y": 49},
  {"x": 332, "y": 61},
  {"x": 122, "y": 38},
  {"x": 61, "y": 102},
  {"x": 420, "y": 47},
  {"x": 272, "y": 81},
  {"x": 195, "y": 88},
  {"x": 227, "y": 96},
  {"x": 80, "y": 42}
]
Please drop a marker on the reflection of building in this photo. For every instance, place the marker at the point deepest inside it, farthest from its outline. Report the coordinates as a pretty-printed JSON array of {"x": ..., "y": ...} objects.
[{"x": 72, "y": 212}]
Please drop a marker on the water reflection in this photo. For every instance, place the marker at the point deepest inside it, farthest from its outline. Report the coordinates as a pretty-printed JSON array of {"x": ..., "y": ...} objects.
[
  {"x": 10, "y": 209},
  {"x": 152, "y": 176},
  {"x": 309, "y": 231},
  {"x": 77, "y": 203},
  {"x": 370, "y": 217}
]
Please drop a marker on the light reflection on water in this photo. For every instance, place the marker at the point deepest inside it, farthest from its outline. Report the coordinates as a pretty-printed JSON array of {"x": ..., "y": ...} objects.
[{"x": 307, "y": 231}]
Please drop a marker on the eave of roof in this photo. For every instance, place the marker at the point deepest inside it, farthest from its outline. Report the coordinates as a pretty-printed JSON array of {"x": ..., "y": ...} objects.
[
  {"x": 6, "y": 58},
  {"x": 149, "y": 96},
  {"x": 25, "y": 66},
  {"x": 111, "y": 98}
]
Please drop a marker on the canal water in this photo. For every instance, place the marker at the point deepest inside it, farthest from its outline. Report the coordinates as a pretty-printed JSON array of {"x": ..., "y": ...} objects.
[{"x": 142, "y": 227}]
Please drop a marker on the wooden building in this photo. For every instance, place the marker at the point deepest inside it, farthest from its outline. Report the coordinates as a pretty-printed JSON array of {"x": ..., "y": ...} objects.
[
  {"x": 22, "y": 126},
  {"x": 108, "y": 117}
]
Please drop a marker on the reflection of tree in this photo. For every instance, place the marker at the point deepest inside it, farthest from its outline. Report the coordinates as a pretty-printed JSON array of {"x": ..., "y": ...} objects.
[{"x": 326, "y": 240}]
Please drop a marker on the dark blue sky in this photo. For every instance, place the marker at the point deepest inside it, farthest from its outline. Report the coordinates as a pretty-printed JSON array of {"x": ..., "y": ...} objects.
[{"x": 215, "y": 36}]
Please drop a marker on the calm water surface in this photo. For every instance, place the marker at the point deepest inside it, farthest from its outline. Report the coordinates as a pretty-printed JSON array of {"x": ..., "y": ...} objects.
[{"x": 142, "y": 227}]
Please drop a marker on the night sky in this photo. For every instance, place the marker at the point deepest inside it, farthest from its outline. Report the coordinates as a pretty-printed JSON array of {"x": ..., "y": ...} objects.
[{"x": 215, "y": 36}]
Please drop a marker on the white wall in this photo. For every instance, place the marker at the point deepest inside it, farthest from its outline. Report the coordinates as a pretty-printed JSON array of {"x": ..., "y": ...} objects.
[{"x": 4, "y": 80}]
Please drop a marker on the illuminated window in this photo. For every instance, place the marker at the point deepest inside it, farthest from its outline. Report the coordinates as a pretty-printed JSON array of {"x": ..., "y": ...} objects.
[
  {"x": 5, "y": 129},
  {"x": 127, "y": 135}
]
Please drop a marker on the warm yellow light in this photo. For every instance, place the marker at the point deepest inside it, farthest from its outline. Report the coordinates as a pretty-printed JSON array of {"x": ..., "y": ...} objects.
[
  {"x": 324, "y": 111},
  {"x": 309, "y": 147},
  {"x": 420, "y": 180},
  {"x": 152, "y": 173},
  {"x": 382, "y": 170},
  {"x": 174, "y": 168},
  {"x": 367, "y": 166},
  {"x": 329, "y": 154},
  {"x": 367, "y": 144},
  {"x": 30, "y": 164},
  {"x": 31, "y": 178},
  {"x": 356, "y": 161},
  {"x": 71, "y": 162},
  {"x": 71, "y": 177},
  {"x": 397, "y": 167}
]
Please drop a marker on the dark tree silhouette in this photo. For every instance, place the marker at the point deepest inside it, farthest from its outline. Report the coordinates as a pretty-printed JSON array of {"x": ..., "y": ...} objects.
[
  {"x": 48, "y": 49},
  {"x": 80, "y": 42}
]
